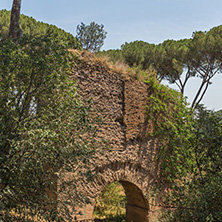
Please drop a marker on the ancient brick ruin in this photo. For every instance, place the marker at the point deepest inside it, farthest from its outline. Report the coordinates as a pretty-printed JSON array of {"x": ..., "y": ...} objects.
[{"x": 130, "y": 157}]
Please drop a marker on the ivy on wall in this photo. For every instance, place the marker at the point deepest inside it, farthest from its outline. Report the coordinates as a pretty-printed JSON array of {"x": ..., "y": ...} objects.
[{"x": 170, "y": 118}]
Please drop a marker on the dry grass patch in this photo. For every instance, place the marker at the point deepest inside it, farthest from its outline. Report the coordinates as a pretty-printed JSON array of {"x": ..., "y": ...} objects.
[{"x": 118, "y": 67}]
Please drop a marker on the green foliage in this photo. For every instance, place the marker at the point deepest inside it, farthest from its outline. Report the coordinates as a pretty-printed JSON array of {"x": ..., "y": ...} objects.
[
  {"x": 31, "y": 27},
  {"x": 207, "y": 140},
  {"x": 110, "y": 204},
  {"x": 219, "y": 112},
  {"x": 198, "y": 196},
  {"x": 170, "y": 119},
  {"x": 190, "y": 158},
  {"x": 42, "y": 121},
  {"x": 138, "y": 53},
  {"x": 178, "y": 61},
  {"x": 169, "y": 59},
  {"x": 91, "y": 36},
  {"x": 206, "y": 51}
]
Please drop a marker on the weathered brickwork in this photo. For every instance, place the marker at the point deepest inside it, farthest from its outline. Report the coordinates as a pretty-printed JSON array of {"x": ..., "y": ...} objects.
[{"x": 128, "y": 156}]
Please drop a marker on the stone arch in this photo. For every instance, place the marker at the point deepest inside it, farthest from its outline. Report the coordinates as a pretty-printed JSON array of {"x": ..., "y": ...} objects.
[
  {"x": 118, "y": 171},
  {"x": 135, "y": 181},
  {"x": 137, "y": 207}
]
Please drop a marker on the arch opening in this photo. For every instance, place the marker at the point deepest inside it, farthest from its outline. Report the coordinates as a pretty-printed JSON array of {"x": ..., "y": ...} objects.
[
  {"x": 110, "y": 204},
  {"x": 124, "y": 202}
]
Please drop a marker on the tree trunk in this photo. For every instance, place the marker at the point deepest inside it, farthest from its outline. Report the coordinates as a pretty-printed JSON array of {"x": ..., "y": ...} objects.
[{"x": 14, "y": 30}]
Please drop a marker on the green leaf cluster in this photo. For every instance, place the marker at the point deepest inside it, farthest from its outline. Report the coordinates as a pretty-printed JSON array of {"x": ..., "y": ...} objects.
[
  {"x": 190, "y": 157},
  {"x": 137, "y": 53}
]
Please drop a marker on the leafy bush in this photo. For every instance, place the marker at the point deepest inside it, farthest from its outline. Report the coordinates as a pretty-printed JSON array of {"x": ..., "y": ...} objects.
[
  {"x": 197, "y": 197},
  {"x": 42, "y": 121}
]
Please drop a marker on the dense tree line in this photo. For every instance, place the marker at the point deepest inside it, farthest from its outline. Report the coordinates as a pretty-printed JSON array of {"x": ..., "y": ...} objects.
[
  {"x": 178, "y": 61},
  {"x": 31, "y": 27}
]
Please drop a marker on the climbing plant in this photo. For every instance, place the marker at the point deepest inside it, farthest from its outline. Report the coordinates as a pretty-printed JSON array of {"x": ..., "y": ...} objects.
[
  {"x": 190, "y": 156},
  {"x": 169, "y": 116},
  {"x": 197, "y": 197}
]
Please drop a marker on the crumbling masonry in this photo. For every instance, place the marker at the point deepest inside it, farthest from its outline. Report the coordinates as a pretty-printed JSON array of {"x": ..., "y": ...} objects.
[{"x": 130, "y": 157}]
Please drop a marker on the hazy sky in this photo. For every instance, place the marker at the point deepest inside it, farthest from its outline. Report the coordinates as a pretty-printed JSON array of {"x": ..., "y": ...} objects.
[{"x": 152, "y": 21}]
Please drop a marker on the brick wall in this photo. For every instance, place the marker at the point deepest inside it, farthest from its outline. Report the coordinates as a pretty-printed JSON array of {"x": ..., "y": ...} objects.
[{"x": 128, "y": 154}]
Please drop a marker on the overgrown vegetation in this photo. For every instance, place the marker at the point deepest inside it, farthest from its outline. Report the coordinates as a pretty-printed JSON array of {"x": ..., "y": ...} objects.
[
  {"x": 190, "y": 158},
  {"x": 42, "y": 123},
  {"x": 197, "y": 197},
  {"x": 170, "y": 118},
  {"x": 40, "y": 109}
]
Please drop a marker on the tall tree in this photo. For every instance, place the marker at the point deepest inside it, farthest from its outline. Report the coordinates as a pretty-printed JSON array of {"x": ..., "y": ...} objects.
[
  {"x": 14, "y": 30},
  {"x": 198, "y": 57},
  {"x": 206, "y": 50},
  {"x": 179, "y": 61},
  {"x": 91, "y": 36}
]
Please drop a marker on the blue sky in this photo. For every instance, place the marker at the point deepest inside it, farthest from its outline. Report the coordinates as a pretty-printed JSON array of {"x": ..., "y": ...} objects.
[{"x": 152, "y": 21}]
